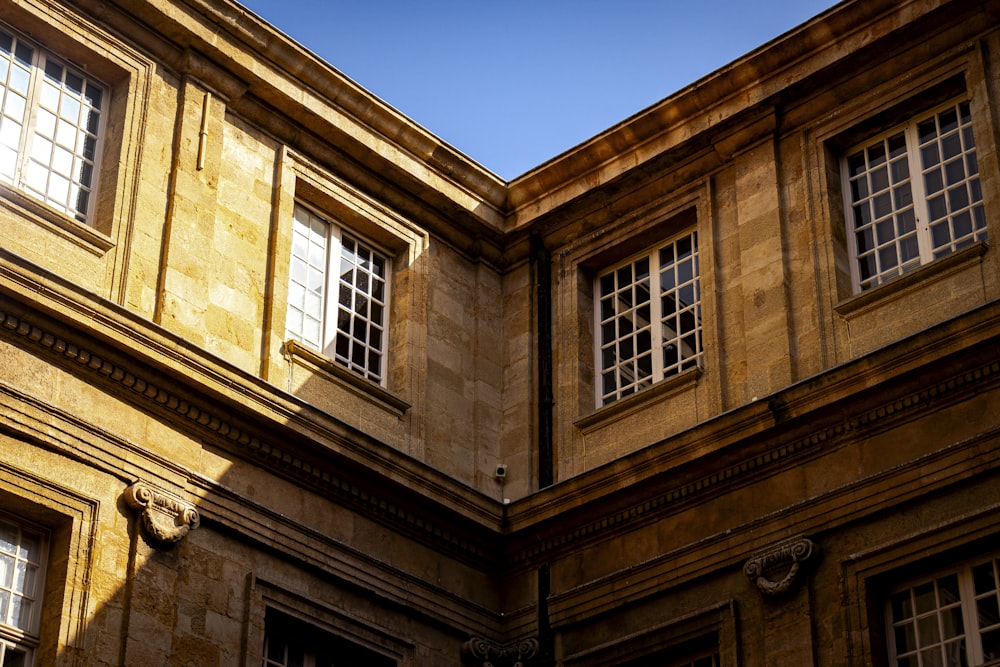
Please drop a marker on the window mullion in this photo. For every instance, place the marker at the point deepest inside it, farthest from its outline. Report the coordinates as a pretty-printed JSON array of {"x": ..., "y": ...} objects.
[
  {"x": 919, "y": 193},
  {"x": 598, "y": 345},
  {"x": 30, "y": 116},
  {"x": 656, "y": 314},
  {"x": 331, "y": 291},
  {"x": 973, "y": 642},
  {"x": 852, "y": 240}
]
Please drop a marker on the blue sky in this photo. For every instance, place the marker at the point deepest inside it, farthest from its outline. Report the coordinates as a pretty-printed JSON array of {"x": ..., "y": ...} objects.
[{"x": 513, "y": 83}]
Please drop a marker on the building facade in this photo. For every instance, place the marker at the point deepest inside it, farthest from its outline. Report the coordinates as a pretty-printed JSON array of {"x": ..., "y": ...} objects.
[{"x": 286, "y": 380}]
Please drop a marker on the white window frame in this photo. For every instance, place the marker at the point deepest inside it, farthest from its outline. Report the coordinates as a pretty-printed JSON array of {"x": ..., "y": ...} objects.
[
  {"x": 315, "y": 316},
  {"x": 19, "y": 636},
  {"x": 888, "y": 204},
  {"x": 930, "y": 621},
  {"x": 615, "y": 355},
  {"x": 50, "y": 142}
]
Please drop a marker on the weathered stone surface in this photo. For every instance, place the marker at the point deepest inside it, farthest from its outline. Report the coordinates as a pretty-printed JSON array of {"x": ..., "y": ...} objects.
[{"x": 151, "y": 345}]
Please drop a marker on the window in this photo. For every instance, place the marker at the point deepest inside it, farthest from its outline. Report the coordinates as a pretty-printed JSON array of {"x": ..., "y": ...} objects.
[
  {"x": 290, "y": 642},
  {"x": 630, "y": 317},
  {"x": 51, "y": 119},
  {"x": 21, "y": 553},
  {"x": 343, "y": 317},
  {"x": 949, "y": 620},
  {"x": 913, "y": 195},
  {"x": 698, "y": 652}
]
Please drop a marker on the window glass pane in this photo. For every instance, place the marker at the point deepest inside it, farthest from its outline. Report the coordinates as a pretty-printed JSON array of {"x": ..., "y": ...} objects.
[
  {"x": 926, "y": 130},
  {"x": 879, "y": 179},
  {"x": 909, "y": 249},
  {"x": 876, "y": 156},
  {"x": 856, "y": 165},
  {"x": 928, "y": 631},
  {"x": 983, "y": 578},
  {"x": 958, "y": 198},
  {"x": 6, "y": 571},
  {"x": 951, "y": 146},
  {"x": 937, "y": 208},
  {"x": 906, "y": 638},
  {"x": 18, "y": 80},
  {"x": 954, "y": 172},
  {"x": 991, "y": 645},
  {"x": 987, "y": 611}
]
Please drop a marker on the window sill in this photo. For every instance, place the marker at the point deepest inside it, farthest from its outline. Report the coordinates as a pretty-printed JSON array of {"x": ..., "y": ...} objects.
[
  {"x": 911, "y": 281},
  {"x": 318, "y": 362},
  {"x": 74, "y": 231},
  {"x": 625, "y": 406}
]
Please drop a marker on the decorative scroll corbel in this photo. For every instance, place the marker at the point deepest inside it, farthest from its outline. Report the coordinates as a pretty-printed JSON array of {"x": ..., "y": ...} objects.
[
  {"x": 165, "y": 519},
  {"x": 786, "y": 556},
  {"x": 480, "y": 652}
]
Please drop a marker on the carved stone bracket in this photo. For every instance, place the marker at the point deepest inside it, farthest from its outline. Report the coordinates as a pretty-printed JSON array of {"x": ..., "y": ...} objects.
[
  {"x": 785, "y": 557},
  {"x": 165, "y": 519},
  {"x": 480, "y": 652}
]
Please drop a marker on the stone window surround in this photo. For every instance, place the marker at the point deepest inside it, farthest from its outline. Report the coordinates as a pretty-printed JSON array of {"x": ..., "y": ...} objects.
[
  {"x": 127, "y": 75},
  {"x": 965, "y": 605},
  {"x": 713, "y": 625},
  {"x": 577, "y": 266},
  {"x": 266, "y": 595},
  {"x": 329, "y": 332},
  {"x": 18, "y": 637},
  {"x": 290, "y": 641},
  {"x": 69, "y": 522},
  {"x": 861, "y": 117},
  {"x": 84, "y": 105},
  {"x": 657, "y": 372},
  {"x": 919, "y": 199},
  {"x": 868, "y": 577},
  {"x": 302, "y": 181}
]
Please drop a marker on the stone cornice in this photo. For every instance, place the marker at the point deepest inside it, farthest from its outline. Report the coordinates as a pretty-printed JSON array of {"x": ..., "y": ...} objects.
[
  {"x": 542, "y": 543},
  {"x": 165, "y": 374},
  {"x": 733, "y": 91},
  {"x": 49, "y": 427},
  {"x": 373, "y": 500},
  {"x": 283, "y": 79},
  {"x": 778, "y": 431},
  {"x": 185, "y": 382},
  {"x": 873, "y": 495}
]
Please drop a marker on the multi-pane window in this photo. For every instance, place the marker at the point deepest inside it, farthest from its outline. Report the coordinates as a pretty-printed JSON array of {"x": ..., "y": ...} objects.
[
  {"x": 289, "y": 642},
  {"x": 913, "y": 195},
  {"x": 948, "y": 621},
  {"x": 21, "y": 553},
  {"x": 338, "y": 294},
  {"x": 51, "y": 118},
  {"x": 648, "y": 319}
]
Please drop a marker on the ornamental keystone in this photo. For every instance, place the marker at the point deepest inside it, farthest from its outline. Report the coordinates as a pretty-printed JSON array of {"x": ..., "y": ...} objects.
[
  {"x": 786, "y": 556},
  {"x": 166, "y": 519},
  {"x": 481, "y": 652}
]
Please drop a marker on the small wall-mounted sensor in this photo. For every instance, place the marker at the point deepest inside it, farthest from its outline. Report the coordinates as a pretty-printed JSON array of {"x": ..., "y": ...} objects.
[{"x": 501, "y": 472}]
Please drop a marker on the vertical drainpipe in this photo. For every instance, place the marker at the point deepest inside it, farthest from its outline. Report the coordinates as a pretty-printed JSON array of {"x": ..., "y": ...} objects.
[
  {"x": 543, "y": 299},
  {"x": 542, "y": 261}
]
